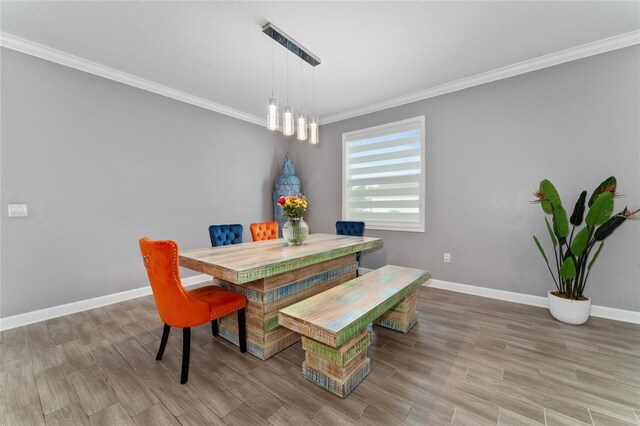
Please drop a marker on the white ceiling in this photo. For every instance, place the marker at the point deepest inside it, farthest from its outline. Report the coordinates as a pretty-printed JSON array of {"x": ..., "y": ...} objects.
[{"x": 370, "y": 51}]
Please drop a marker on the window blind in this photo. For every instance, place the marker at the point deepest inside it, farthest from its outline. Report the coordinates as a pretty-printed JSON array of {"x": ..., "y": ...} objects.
[{"x": 383, "y": 169}]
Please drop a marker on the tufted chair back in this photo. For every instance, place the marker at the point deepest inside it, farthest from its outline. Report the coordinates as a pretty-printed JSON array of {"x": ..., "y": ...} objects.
[
  {"x": 175, "y": 306},
  {"x": 355, "y": 229},
  {"x": 223, "y": 235},
  {"x": 264, "y": 231}
]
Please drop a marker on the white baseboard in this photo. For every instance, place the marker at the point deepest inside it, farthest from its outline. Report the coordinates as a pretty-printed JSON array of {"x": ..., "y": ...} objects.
[
  {"x": 509, "y": 296},
  {"x": 84, "y": 305},
  {"x": 528, "y": 299},
  {"x": 615, "y": 314}
]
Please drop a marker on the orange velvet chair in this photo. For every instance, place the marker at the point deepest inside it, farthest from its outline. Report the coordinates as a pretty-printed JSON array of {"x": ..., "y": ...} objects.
[
  {"x": 264, "y": 231},
  {"x": 185, "y": 309}
]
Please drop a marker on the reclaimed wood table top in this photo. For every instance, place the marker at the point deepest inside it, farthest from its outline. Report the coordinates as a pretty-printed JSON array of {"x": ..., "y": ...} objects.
[
  {"x": 242, "y": 263},
  {"x": 336, "y": 315}
]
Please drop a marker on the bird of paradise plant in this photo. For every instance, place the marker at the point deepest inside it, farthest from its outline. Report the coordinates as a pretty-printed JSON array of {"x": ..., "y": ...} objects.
[{"x": 572, "y": 250}]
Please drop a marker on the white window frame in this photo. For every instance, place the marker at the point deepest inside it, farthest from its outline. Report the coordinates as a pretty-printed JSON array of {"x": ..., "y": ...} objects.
[{"x": 351, "y": 135}]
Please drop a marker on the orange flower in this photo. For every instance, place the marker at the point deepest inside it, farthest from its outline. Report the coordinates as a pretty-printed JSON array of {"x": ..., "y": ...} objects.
[{"x": 539, "y": 195}]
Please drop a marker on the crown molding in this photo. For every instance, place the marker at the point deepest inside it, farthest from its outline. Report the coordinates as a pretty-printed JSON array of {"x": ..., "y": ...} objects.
[
  {"x": 29, "y": 47},
  {"x": 556, "y": 58}
]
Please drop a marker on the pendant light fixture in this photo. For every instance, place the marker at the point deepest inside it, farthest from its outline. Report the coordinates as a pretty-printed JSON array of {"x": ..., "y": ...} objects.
[
  {"x": 304, "y": 129},
  {"x": 273, "y": 117},
  {"x": 302, "y": 119},
  {"x": 313, "y": 120},
  {"x": 273, "y": 112},
  {"x": 287, "y": 117}
]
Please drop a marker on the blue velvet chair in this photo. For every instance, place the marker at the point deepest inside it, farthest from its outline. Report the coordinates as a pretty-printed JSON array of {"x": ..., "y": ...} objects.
[
  {"x": 223, "y": 235},
  {"x": 356, "y": 229}
]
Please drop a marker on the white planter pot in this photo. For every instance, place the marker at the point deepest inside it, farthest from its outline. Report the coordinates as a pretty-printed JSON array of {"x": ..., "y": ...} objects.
[{"x": 569, "y": 311}]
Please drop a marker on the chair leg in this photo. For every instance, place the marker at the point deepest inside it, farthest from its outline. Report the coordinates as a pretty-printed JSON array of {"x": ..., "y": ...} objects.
[
  {"x": 214, "y": 327},
  {"x": 242, "y": 330},
  {"x": 163, "y": 342},
  {"x": 186, "y": 348}
]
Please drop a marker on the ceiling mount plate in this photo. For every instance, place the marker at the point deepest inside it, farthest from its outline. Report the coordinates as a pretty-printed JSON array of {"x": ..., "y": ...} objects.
[{"x": 290, "y": 44}]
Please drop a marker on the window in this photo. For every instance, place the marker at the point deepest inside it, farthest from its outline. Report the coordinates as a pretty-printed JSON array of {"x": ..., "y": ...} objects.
[{"x": 383, "y": 176}]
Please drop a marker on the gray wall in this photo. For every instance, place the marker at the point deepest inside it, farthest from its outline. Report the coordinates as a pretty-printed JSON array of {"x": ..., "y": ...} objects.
[
  {"x": 101, "y": 164},
  {"x": 487, "y": 148}
]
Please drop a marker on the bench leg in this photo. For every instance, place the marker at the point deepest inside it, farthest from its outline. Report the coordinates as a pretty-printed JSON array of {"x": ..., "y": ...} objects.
[
  {"x": 401, "y": 317},
  {"x": 338, "y": 370}
]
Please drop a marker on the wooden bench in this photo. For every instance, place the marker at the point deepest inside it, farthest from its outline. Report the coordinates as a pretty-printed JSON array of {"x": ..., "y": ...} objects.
[{"x": 333, "y": 324}]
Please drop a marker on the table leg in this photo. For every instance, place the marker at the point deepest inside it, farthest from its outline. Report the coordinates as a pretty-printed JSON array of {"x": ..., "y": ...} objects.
[
  {"x": 401, "y": 317},
  {"x": 338, "y": 370},
  {"x": 267, "y": 296}
]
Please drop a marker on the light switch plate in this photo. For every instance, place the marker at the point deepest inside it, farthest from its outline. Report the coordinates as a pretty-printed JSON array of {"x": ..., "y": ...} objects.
[
  {"x": 447, "y": 258},
  {"x": 17, "y": 210}
]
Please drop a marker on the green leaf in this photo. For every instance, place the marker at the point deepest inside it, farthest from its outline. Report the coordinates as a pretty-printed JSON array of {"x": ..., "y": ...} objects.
[
  {"x": 541, "y": 249},
  {"x": 560, "y": 221},
  {"x": 607, "y": 185},
  {"x": 568, "y": 269},
  {"x": 610, "y": 225},
  {"x": 551, "y": 196},
  {"x": 580, "y": 242},
  {"x": 595, "y": 256},
  {"x": 578, "y": 210},
  {"x": 553, "y": 237},
  {"x": 600, "y": 210}
]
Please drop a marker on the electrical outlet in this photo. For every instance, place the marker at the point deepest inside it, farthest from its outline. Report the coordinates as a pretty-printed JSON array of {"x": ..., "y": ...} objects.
[
  {"x": 17, "y": 210},
  {"x": 447, "y": 258}
]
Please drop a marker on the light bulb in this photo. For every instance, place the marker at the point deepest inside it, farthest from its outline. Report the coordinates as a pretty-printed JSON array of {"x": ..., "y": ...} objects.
[
  {"x": 273, "y": 115},
  {"x": 287, "y": 121},
  {"x": 302, "y": 127},
  {"x": 313, "y": 130}
]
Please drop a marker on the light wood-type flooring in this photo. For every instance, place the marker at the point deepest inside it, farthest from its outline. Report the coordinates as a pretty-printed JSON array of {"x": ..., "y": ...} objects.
[{"x": 470, "y": 360}]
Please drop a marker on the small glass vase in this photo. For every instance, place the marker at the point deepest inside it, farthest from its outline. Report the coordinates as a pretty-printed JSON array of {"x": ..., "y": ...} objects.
[{"x": 295, "y": 231}]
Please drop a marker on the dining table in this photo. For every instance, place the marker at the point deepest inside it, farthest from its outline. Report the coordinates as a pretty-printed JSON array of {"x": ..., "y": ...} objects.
[{"x": 273, "y": 275}]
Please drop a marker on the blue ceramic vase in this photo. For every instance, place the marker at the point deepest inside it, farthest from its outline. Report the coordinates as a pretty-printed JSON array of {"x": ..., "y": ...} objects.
[{"x": 286, "y": 184}]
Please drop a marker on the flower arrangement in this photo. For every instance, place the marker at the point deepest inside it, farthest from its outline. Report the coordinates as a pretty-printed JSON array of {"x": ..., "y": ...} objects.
[{"x": 294, "y": 206}]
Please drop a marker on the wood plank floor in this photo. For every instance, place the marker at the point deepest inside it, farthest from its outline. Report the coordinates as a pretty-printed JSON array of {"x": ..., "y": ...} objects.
[{"x": 469, "y": 361}]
